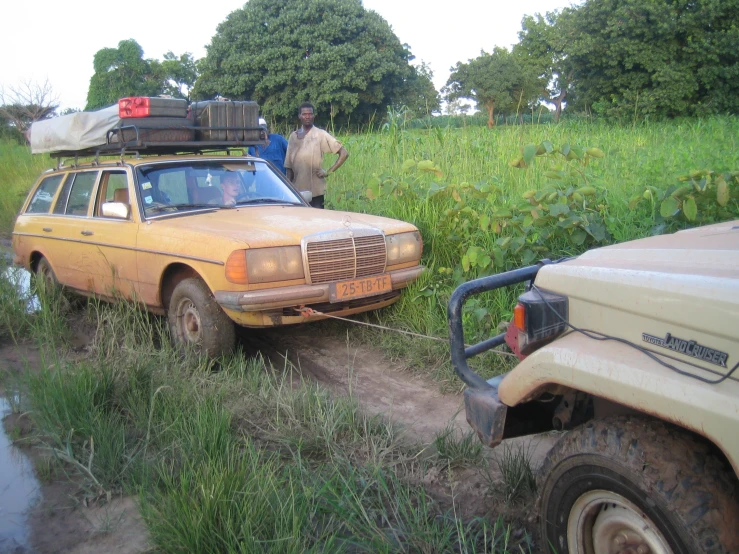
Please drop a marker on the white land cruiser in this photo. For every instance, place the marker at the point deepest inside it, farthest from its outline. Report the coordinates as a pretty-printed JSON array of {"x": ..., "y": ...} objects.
[{"x": 633, "y": 349}]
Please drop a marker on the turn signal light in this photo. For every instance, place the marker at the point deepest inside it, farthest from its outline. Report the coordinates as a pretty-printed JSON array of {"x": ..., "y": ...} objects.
[
  {"x": 236, "y": 268},
  {"x": 538, "y": 318},
  {"x": 519, "y": 317}
]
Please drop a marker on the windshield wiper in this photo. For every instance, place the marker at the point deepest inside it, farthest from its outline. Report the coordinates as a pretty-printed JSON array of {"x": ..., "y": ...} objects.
[
  {"x": 266, "y": 201},
  {"x": 157, "y": 209}
]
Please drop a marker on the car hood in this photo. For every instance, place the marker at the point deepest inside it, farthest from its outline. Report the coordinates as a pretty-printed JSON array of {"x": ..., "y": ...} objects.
[
  {"x": 685, "y": 284},
  {"x": 263, "y": 226},
  {"x": 710, "y": 251}
]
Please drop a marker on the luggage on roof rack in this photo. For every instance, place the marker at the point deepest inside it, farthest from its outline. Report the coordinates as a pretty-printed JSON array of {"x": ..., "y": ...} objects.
[
  {"x": 226, "y": 120},
  {"x": 104, "y": 132},
  {"x": 146, "y": 106},
  {"x": 76, "y": 131},
  {"x": 153, "y": 129}
]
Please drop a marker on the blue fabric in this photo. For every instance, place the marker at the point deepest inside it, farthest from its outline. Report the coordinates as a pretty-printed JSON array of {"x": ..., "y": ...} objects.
[{"x": 274, "y": 153}]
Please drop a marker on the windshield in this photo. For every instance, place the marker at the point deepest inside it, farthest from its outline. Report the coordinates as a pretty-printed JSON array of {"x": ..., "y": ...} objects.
[{"x": 167, "y": 188}]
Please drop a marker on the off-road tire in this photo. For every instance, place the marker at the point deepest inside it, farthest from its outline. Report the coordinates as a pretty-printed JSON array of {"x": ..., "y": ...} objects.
[
  {"x": 675, "y": 480},
  {"x": 197, "y": 321}
]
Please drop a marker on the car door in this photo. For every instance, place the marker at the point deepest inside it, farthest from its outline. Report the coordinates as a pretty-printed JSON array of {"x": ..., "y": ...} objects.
[
  {"x": 34, "y": 227},
  {"x": 72, "y": 257},
  {"x": 113, "y": 239}
]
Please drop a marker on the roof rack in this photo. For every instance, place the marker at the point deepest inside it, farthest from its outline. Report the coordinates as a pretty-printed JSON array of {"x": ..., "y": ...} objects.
[{"x": 141, "y": 145}]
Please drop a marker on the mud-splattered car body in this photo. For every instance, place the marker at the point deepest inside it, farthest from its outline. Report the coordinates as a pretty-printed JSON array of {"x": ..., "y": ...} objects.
[{"x": 137, "y": 228}]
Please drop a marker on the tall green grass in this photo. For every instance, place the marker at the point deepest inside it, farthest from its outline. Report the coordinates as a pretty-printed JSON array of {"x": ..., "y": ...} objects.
[
  {"x": 18, "y": 171},
  {"x": 636, "y": 156}
]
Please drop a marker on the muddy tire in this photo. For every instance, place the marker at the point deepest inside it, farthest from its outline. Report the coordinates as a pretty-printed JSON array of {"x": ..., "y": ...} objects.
[
  {"x": 46, "y": 273},
  {"x": 631, "y": 484},
  {"x": 197, "y": 321}
]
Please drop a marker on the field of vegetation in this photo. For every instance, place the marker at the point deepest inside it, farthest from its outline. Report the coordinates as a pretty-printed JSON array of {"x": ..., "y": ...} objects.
[{"x": 232, "y": 456}]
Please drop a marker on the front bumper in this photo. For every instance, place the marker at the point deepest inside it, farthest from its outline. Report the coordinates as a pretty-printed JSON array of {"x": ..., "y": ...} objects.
[
  {"x": 486, "y": 414},
  {"x": 298, "y": 295}
]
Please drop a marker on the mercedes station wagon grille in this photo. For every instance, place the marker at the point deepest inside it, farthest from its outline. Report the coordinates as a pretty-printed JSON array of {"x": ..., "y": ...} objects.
[{"x": 341, "y": 259}]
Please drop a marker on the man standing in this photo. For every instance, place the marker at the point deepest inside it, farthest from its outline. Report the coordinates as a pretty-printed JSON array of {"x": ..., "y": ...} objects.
[
  {"x": 274, "y": 148},
  {"x": 305, "y": 150}
]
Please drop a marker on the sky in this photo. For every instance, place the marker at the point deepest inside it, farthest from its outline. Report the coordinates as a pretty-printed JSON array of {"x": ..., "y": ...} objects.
[{"x": 56, "y": 40}]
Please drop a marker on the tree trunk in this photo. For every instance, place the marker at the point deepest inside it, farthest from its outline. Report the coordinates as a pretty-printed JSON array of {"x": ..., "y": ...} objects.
[
  {"x": 558, "y": 105},
  {"x": 491, "y": 121}
]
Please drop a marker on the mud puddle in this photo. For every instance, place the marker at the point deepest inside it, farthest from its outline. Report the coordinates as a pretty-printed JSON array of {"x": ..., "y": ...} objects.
[{"x": 19, "y": 492}]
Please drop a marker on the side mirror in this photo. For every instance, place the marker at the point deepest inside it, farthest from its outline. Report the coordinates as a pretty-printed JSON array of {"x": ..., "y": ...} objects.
[
  {"x": 117, "y": 210},
  {"x": 307, "y": 195}
]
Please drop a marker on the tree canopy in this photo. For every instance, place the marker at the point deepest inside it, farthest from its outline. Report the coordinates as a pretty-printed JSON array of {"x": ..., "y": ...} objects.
[
  {"x": 344, "y": 59},
  {"x": 180, "y": 74},
  {"x": 493, "y": 80},
  {"x": 661, "y": 58},
  {"x": 123, "y": 71},
  {"x": 540, "y": 48}
]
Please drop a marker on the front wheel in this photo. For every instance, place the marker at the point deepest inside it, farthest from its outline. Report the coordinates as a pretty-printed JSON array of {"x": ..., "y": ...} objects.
[
  {"x": 197, "y": 321},
  {"x": 634, "y": 485}
]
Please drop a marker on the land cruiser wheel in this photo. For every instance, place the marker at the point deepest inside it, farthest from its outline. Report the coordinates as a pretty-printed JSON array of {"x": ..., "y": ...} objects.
[
  {"x": 629, "y": 485},
  {"x": 197, "y": 321}
]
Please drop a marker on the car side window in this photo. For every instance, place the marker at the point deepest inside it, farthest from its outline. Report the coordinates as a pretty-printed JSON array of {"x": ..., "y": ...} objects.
[
  {"x": 76, "y": 194},
  {"x": 113, "y": 188},
  {"x": 41, "y": 201}
]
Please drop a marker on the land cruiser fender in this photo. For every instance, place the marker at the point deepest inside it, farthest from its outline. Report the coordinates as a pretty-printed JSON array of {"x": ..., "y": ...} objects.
[{"x": 619, "y": 379}]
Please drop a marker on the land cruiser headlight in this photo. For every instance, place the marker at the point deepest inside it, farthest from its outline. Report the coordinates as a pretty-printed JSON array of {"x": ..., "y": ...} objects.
[
  {"x": 403, "y": 247},
  {"x": 266, "y": 265}
]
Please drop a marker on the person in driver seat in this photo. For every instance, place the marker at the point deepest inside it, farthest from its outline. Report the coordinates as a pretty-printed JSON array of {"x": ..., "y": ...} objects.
[{"x": 230, "y": 188}]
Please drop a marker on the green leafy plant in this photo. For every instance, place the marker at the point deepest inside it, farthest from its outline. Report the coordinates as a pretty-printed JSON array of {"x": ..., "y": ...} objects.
[
  {"x": 701, "y": 196},
  {"x": 569, "y": 212},
  {"x": 410, "y": 184}
]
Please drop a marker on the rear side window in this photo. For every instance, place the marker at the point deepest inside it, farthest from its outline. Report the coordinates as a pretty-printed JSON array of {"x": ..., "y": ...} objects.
[
  {"x": 44, "y": 194},
  {"x": 76, "y": 194}
]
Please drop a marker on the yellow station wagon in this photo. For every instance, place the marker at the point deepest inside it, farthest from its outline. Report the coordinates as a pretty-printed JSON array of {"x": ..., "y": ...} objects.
[{"x": 154, "y": 229}]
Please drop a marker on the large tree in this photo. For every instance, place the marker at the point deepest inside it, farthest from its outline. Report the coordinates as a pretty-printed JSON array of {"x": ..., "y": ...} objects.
[
  {"x": 180, "y": 74},
  {"x": 418, "y": 93},
  {"x": 122, "y": 72},
  {"x": 656, "y": 58},
  {"x": 334, "y": 53},
  {"x": 496, "y": 80},
  {"x": 541, "y": 47}
]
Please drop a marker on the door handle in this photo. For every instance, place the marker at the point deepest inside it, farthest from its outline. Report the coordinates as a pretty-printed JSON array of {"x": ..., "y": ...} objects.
[
  {"x": 47, "y": 229},
  {"x": 87, "y": 233}
]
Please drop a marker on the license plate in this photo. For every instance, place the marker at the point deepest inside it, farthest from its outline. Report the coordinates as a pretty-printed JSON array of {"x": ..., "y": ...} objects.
[{"x": 359, "y": 288}]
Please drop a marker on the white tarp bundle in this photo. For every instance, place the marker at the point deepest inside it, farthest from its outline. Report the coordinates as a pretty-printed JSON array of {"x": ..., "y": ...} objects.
[{"x": 77, "y": 131}]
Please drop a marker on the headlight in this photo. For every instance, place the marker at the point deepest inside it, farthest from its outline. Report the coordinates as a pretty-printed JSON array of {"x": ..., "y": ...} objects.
[
  {"x": 265, "y": 265},
  {"x": 404, "y": 247}
]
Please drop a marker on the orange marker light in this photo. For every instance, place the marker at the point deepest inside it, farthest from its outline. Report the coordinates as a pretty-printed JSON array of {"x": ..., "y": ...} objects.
[
  {"x": 519, "y": 317},
  {"x": 236, "y": 268}
]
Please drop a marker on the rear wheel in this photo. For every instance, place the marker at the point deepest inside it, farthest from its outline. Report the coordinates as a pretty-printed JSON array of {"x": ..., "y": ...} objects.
[
  {"x": 46, "y": 273},
  {"x": 197, "y": 321},
  {"x": 629, "y": 485}
]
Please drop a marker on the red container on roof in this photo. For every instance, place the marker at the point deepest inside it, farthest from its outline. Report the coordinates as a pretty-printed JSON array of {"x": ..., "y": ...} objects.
[{"x": 145, "y": 106}]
